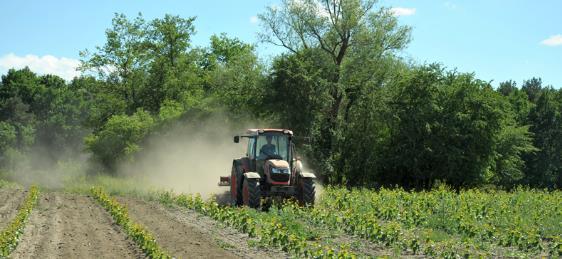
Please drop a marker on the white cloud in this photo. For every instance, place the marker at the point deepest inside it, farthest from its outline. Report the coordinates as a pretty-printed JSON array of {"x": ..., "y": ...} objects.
[
  {"x": 254, "y": 19},
  {"x": 402, "y": 11},
  {"x": 316, "y": 6},
  {"x": 48, "y": 64},
  {"x": 552, "y": 41}
]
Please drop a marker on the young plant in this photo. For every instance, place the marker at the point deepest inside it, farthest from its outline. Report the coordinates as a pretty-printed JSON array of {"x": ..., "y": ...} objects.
[{"x": 10, "y": 236}]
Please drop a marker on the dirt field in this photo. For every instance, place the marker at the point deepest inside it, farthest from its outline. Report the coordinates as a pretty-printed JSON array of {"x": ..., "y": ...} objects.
[
  {"x": 11, "y": 199},
  {"x": 186, "y": 234},
  {"x": 73, "y": 226}
]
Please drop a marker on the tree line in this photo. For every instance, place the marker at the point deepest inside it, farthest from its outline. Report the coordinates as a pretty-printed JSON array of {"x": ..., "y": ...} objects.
[{"x": 363, "y": 115}]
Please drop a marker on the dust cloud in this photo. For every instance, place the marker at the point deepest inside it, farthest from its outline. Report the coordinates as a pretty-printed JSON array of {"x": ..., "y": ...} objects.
[
  {"x": 188, "y": 158},
  {"x": 183, "y": 157},
  {"x": 46, "y": 166}
]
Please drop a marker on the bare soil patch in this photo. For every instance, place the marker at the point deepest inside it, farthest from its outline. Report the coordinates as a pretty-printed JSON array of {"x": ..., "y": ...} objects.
[
  {"x": 73, "y": 226},
  {"x": 187, "y": 234},
  {"x": 10, "y": 201}
]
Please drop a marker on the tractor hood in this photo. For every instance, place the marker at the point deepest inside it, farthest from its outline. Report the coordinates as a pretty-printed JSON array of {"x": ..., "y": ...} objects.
[
  {"x": 278, "y": 163},
  {"x": 277, "y": 172}
]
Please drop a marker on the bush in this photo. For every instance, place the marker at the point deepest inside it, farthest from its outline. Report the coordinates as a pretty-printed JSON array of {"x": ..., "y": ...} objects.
[{"x": 119, "y": 138}]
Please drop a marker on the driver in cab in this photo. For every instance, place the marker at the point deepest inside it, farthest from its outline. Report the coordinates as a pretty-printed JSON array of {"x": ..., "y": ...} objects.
[{"x": 268, "y": 149}]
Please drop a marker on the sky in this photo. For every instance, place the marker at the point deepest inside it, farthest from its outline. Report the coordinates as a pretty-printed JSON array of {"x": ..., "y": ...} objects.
[{"x": 498, "y": 40}]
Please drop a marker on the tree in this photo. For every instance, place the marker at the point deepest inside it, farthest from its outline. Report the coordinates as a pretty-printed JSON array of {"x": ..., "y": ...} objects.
[
  {"x": 123, "y": 60},
  {"x": 234, "y": 76},
  {"x": 61, "y": 120},
  {"x": 545, "y": 166},
  {"x": 170, "y": 37},
  {"x": 172, "y": 68},
  {"x": 349, "y": 33},
  {"x": 533, "y": 88},
  {"x": 513, "y": 143},
  {"x": 120, "y": 138},
  {"x": 297, "y": 92},
  {"x": 450, "y": 127},
  {"x": 507, "y": 87},
  {"x": 521, "y": 105},
  {"x": 20, "y": 94}
]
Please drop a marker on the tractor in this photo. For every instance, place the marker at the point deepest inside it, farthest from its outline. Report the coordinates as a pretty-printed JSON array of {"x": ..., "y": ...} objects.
[{"x": 271, "y": 170}]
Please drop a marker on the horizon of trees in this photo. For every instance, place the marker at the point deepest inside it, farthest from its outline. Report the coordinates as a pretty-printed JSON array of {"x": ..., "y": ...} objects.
[{"x": 366, "y": 116}]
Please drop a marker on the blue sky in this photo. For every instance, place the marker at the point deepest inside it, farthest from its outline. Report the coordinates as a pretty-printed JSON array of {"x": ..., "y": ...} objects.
[{"x": 497, "y": 40}]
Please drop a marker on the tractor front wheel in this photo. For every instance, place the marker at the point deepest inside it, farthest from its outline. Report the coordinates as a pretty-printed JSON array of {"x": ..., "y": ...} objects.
[
  {"x": 307, "y": 191},
  {"x": 251, "y": 193},
  {"x": 235, "y": 190}
]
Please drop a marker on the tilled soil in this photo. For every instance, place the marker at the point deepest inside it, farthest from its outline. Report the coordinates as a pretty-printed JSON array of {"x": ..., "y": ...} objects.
[
  {"x": 73, "y": 226},
  {"x": 10, "y": 201},
  {"x": 186, "y": 234}
]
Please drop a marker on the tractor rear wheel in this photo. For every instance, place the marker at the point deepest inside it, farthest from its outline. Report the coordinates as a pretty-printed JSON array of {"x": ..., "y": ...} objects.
[
  {"x": 251, "y": 193},
  {"x": 307, "y": 191}
]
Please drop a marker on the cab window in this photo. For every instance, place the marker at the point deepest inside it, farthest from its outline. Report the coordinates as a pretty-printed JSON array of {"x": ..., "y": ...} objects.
[
  {"x": 279, "y": 146},
  {"x": 251, "y": 146}
]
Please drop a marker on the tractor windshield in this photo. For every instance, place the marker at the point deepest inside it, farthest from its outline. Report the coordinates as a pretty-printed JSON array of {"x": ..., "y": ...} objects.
[{"x": 271, "y": 145}]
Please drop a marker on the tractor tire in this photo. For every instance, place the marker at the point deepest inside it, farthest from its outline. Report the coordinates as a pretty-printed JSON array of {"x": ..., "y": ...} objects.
[
  {"x": 239, "y": 200},
  {"x": 235, "y": 186},
  {"x": 251, "y": 194},
  {"x": 307, "y": 191}
]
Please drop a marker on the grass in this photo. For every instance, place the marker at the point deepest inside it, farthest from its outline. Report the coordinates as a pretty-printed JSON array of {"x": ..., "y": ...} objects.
[
  {"x": 7, "y": 184},
  {"x": 112, "y": 185}
]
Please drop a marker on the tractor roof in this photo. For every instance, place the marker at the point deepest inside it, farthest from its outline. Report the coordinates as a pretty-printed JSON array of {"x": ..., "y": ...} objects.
[{"x": 255, "y": 132}]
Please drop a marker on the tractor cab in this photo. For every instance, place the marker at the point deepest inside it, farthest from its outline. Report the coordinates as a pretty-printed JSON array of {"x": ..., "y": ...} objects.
[
  {"x": 270, "y": 154},
  {"x": 269, "y": 169}
]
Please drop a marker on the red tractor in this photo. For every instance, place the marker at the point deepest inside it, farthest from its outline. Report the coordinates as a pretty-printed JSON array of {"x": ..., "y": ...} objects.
[{"x": 270, "y": 170}]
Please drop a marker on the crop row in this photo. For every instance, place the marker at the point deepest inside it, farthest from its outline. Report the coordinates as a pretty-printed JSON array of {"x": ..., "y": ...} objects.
[
  {"x": 386, "y": 233},
  {"x": 137, "y": 232},
  {"x": 10, "y": 236},
  {"x": 526, "y": 220},
  {"x": 268, "y": 228},
  {"x": 291, "y": 227}
]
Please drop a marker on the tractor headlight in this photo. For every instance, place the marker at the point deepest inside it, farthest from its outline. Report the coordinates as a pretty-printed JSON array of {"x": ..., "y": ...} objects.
[{"x": 280, "y": 170}]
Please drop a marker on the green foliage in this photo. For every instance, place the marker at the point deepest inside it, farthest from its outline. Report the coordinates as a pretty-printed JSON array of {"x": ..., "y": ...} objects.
[
  {"x": 426, "y": 125},
  {"x": 437, "y": 223},
  {"x": 10, "y": 236},
  {"x": 298, "y": 91},
  {"x": 545, "y": 166},
  {"x": 19, "y": 95},
  {"x": 170, "y": 111},
  {"x": 40, "y": 114},
  {"x": 7, "y": 135},
  {"x": 512, "y": 143},
  {"x": 120, "y": 137},
  {"x": 233, "y": 75},
  {"x": 522, "y": 219},
  {"x": 137, "y": 232},
  {"x": 445, "y": 128},
  {"x": 354, "y": 35},
  {"x": 362, "y": 115},
  {"x": 4, "y": 183},
  {"x": 149, "y": 67}
]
